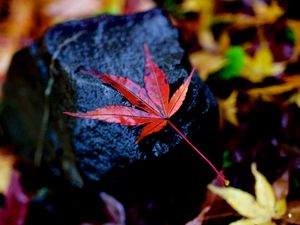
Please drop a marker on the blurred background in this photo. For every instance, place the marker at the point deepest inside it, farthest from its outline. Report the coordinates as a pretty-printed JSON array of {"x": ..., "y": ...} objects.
[{"x": 246, "y": 51}]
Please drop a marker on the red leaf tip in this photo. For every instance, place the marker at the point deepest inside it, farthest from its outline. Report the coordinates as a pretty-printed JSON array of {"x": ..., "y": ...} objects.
[{"x": 155, "y": 106}]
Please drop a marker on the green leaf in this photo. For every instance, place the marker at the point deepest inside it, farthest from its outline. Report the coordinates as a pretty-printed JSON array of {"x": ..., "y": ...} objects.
[
  {"x": 290, "y": 35},
  {"x": 236, "y": 61},
  {"x": 226, "y": 159}
]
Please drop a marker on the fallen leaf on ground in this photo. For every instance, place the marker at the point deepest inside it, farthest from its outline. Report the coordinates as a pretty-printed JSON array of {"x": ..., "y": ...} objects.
[
  {"x": 154, "y": 103},
  {"x": 207, "y": 63},
  {"x": 6, "y": 167},
  {"x": 15, "y": 209},
  {"x": 261, "y": 65},
  {"x": 153, "y": 100},
  {"x": 267, "y": 13},
  {"x": 205, "y": 10},
  {"x": 228, "y": 109},
  {"x": 295, "y": 98},
  {"x": 197, "y": 5},
  {"x": 268, "y": 93},
  {"x": 260, "y": 209},
  {"x": 114, "y": 209}
]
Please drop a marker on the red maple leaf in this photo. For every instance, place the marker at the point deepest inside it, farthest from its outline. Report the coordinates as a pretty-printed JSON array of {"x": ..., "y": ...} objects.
[
  {"x": 16, "y": 205},
  {"x": 153, "y": 101}
]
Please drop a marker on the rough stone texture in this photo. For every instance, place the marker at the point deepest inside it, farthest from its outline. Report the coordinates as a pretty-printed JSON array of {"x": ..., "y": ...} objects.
[{"x": 106, "y": 154}]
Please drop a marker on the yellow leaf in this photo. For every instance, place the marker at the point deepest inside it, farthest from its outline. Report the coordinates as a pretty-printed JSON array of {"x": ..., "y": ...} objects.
[
  {"x": 224, "y": 42},
  {"x": 6, "y": 165},
  {"x": 206, "y": 10},
  {"x": 114, "y": 7},
  {"x": 264, "y": 192},
  {"x": 264, "y": 54},
  {"x": 228, "y": 109},
  {"x": 243, "y": 202},
  {"x": 206, "y": 39},
  {"x": 259, "y": 211},
  {"x": 267, "y": 13},
  {"x": 295, "y": 98},
  {"x": 197, "y": 5},
  {"x": 252, "y": 222},
  {"x": 264, "y": 14},
  {"x": 207, "y": 63},
  {"x": 267, "y": 93},
  {"x": 261, "y": 65},
  {"x": 238, "y": 20},
  {"x": 280, "y": 208}
]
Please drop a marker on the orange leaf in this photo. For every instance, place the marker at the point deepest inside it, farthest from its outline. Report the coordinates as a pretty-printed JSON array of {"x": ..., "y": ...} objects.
[
  {"x": 228, "y": 109},
  {"x": 153, "y": 100},
  {"x": 179, "y": 96}
]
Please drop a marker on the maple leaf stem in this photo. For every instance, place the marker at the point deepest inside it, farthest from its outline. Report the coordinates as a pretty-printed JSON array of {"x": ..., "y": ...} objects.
[{"x": 220, "y": 175}]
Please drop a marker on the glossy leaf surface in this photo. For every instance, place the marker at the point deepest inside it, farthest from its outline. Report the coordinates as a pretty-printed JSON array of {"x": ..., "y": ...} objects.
[{"x": 155, "y": 107}]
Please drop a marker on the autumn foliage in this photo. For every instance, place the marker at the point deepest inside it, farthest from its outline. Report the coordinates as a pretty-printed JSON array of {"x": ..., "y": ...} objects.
[
  {"x": 247, "y": 52},
  {"x": 153, "y": 100}
]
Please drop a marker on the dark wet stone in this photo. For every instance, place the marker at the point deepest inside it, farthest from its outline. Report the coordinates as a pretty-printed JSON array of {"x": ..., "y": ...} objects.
[{"x": 99, "y": 154}]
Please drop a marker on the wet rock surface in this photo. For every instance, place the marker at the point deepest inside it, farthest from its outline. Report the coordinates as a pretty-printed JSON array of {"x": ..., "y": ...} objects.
[{"x": 160, "y": 179}]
